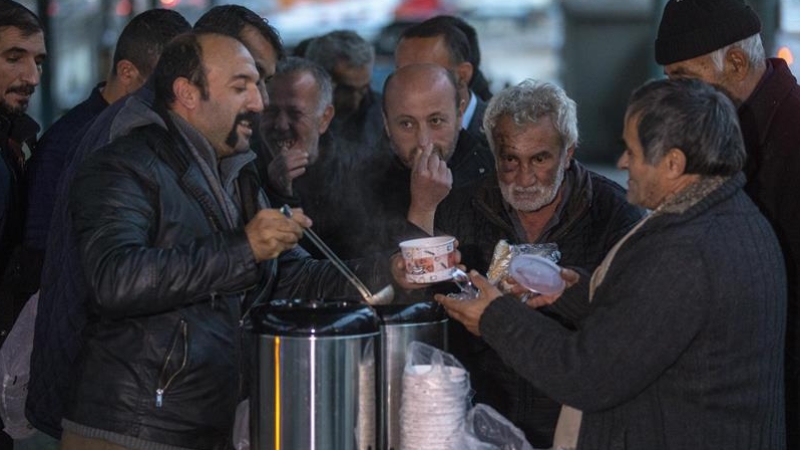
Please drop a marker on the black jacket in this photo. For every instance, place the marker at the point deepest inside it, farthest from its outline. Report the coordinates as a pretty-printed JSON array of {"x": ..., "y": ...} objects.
[
  {"x": 169, "y": 281},
  {"x": 594, "y": 216},
  {"x": 769, "y": 120},
  {"x": 324, "y": 192},
  {"x": 383, "y": 188},
  {"x": 359, "y": 135},
  {"x": 14, "y": 134},
  {"x": 18, "y": 268}
]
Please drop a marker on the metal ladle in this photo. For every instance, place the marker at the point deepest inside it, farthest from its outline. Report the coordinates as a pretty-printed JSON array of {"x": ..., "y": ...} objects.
[{"x": 383, "y": 297}]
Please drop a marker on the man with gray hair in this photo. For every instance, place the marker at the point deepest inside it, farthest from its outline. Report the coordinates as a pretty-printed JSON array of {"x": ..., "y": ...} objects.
[
  {"x": 540, "y": 194},
  {"x": 348, "y": 58},
  {"x": 717, "y": 41},
  {"x": 307, "y": 169},
  {"x": 683, "y": 347}
]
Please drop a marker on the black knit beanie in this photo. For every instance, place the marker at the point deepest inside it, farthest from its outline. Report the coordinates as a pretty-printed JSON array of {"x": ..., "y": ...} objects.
[{"x": 691, "y": 28}]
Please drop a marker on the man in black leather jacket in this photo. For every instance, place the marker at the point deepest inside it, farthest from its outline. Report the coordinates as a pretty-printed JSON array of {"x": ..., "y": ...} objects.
[{"x": 177, "y": 242}]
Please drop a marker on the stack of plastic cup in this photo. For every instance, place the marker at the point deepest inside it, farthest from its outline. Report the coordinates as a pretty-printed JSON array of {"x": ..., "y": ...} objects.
[{"x": 434, "y": 407}]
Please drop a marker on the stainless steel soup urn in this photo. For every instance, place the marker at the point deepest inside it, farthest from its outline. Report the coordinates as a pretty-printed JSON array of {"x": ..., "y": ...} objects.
[
  {"x": 400, "y": 325},
  {"x": 314, "y": 380}
]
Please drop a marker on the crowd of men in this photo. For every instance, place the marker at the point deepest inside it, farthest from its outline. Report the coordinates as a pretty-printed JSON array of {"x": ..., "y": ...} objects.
[{"x": 144, "y": 224}]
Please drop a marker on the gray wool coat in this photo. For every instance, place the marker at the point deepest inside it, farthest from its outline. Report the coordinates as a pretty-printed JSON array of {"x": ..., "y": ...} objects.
[{"x": 683, "y": 344}]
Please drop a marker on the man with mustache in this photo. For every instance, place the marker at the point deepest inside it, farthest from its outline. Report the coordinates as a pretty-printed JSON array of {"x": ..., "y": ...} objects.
[
  {"x": 22, "y": 54},
  {"x": 540, "y": 194},
  {"x": 309, "y": 167},
  {"x": 177, "y": 241},
  {"x": 295, "y": 124},
  {"x": 62, "y": 310}
]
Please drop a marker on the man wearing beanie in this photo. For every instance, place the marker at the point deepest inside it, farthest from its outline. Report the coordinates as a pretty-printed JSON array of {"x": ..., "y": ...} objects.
[{"x": 718, "y": 41}]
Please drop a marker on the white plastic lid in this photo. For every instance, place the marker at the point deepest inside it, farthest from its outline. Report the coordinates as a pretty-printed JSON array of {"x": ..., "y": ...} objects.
[{"x": 537, "y": 274}]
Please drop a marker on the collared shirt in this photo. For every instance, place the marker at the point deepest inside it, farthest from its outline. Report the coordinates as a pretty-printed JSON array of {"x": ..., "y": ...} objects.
[{"x": 470, "y": 111}]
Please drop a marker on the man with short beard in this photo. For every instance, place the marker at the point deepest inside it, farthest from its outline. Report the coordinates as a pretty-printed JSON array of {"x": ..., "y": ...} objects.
[
  {"x": 22, "y": 53},
  {"x": 63, "y": 299},
  {"x": 425, "y": 154},
  {"x": 177, "y": 243},
  {"x": 540, "y": 194},
  {"x": 308, "y": 168}
]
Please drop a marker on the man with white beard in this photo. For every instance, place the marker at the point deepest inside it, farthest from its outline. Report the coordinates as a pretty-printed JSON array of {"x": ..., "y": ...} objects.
[{"x": 540, "y": 194}]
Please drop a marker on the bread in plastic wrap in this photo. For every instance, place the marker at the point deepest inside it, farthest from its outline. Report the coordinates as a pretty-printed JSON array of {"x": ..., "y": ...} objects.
[{"x": 505, "y": 252}]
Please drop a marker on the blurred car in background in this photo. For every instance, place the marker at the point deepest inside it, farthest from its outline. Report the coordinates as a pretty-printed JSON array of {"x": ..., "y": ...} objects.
[
  {"x": 419, "y": 10},
  {"x": 303, "y": 19},
  {"x": 519, "y": 10}
]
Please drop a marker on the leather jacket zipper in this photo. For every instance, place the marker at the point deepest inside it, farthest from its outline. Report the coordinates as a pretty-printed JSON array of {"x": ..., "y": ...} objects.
[{"x": 184, "y": 333}]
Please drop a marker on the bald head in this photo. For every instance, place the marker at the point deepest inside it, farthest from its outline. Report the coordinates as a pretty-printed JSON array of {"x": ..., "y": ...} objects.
[
  {"x": 420, "y": 79},
  {"x": 422, "y": 110}
]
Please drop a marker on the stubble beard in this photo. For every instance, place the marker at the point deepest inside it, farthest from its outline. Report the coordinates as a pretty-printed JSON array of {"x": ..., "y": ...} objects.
[{"x": 13, "y": 111}]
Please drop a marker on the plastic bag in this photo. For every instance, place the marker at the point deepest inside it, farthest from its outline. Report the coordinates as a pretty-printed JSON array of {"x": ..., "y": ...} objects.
[
  {"x": 504, "y": 253},
  {"x": 487, "y": 429},
  {"x": 15, "y": 368},
  {"x": 241, "y": 426},
  {"x": 434, "y": 399}
]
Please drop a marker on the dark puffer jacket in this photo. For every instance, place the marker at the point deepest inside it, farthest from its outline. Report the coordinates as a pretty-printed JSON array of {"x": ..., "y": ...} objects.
[
  {"x": 168, "y": 281},
  {"x": 594, "y": 216}
]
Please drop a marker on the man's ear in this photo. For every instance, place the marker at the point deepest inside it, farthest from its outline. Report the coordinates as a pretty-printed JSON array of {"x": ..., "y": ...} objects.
[
  {"x": 462, "y": 107},
  {"x": 186, "y": 93},
  {"x": 570, "y": 155},
  {"x": 386, "y": 126},
  {"x": 736, "y": 64},
  {"x": 325, "y": 120},
  {"x": 464, "y": 73},
  {"x": 128, "y": 75},
  {"x": 675, "y": 161}
]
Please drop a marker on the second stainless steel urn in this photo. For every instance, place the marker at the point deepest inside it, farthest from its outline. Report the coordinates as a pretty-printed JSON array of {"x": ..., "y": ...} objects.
[{"x": 400, "y": 325}]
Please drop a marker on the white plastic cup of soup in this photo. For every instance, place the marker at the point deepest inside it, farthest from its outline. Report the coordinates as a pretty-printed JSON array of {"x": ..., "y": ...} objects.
[{"x": 429, "y": 260}]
